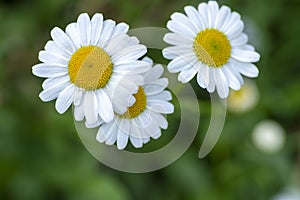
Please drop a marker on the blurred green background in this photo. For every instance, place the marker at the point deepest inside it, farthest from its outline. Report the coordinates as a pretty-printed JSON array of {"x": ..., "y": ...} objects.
[{"x": 42, "y": 157}]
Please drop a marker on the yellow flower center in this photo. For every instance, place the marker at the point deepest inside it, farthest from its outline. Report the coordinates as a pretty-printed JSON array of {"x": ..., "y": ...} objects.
[
  {"x": 138, "y": 107},
  {"x": 212, "y": 47},
  {"x": 90, "y": 68}
]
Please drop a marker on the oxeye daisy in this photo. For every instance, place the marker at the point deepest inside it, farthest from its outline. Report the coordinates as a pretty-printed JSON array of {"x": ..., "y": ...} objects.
[
  {"x": 244, "y": 99},
  {"x": 144, "y": 119},
  {"x": 209, "y": 41},
  {"x": 87, "y": 64}
]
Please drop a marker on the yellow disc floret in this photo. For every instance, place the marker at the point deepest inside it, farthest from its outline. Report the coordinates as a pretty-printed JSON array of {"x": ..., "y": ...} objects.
[
  {"x": 90, "y": 68},
  {"x": 212, "y": 47},
  {"x": 138, "y": 107}
]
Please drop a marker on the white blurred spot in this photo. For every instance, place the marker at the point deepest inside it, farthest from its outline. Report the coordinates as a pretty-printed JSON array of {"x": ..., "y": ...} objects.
[
  {"x": 288, "y": 194},
  {"x": 268, "y": 136}
]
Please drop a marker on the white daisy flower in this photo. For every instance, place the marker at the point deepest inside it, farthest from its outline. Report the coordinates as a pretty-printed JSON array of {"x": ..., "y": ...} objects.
[
  {"x": 243, "y": 99},
  {"x": 87, "y": 64},
  {"x": 210, "y": 42},
  {"x": 144, "y": 119}
]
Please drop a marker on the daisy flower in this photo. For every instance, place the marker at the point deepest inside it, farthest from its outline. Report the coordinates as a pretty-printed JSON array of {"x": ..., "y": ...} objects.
[
  {"x": 209, "y": 41},
  {"x": 144, "y": 119},
  {"x": 87, "y": 64},
  {"x": 244, "y": 99}
]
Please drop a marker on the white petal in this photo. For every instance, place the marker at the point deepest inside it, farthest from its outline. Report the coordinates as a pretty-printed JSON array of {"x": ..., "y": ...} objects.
[
  {"x": 146, "y": 140},
  {"x": 176, "y": 51},
  {"x": 111, "y": 135},
  {"x": 53, "y": 91},
  {"x": 65, "y": 99},
  {"x": 133, "y": 52},
  {"x": 137, "y": 79},
  {"x": 232, "y": 66},
  {"x": 104, "y": 131},
  {"x": 132, "y": 67},
  {"x": 78, "y": 96},
  {"x": 201, "y": 80},
  {"x": 156, "y": 86},
  {"x": 247, "y": 47},
  {"x": 100, "y": 137},
  {"x": 122, "y": 139},
  {"x": 182, "y": 63},
  {"x": 221, "y": 83},
  {"x": 51, "y": 58},
  {"x": 148, "y": 60},
  {"x": 120, "y": 106},
  {"x": 178, "y": 39},
  {"x": 180, "y": 28},
  {"x": 212, "y": 11},
  {"x": 107, "y": 31},
  {"x": 235, "y": 30},
  {"x": 120, "y": 28},
  {"x": 73, "y": 34},
  {"x": 161, "y": 107},
  {"x": 241, "y": 40},
  {"x": 136, "y": 129},
  {"x": 132, "y": 100},
  {"x": 195, "y": 17},
  {"x": 136, "y": 142},
  {"x": 96, "y": 28},
  {"x": 124, "y": 126},
  {"x": 122, "y": 98},
  {"x": 153, "y": 74},
  {"x": 50, "y": 82},
  {"x": 234, "y": 18},
  {"x": 49, "y": 71},
  {"x": 187, "y": 75},
  {"x": 91, "y": 107},
  {"x": 84, "y": 28},
  {"x": 97, "y": 123},
  {"x": 153, "y": 131},
  {"x": 164, "y": 95},
  {"x": 129, "y": 83},
  {"x": 232, "y": 80},
  {"x": 247, "y": 69},
  {"x": 184, "y": 21},
  {"x": 203, "y": 11},
  {"x": 79, "y": 112},
  {"x": 52, "y": 47},
  {"x": 211, "y": 84},
  {"x": 160, "y": 120},
  {"x": 117, "y": 44},
  {"x": 203, "y": 76},
  {"x": 105, "y": 106},
  {"x": 143, "y": 120},
  {"x": 62, "y": 40},
  {"x": 244, "y": 55},
  {"x": 133, "y": 41},
  {"x": 222, "y": 16},
  {"x": 157, "y": 135}
]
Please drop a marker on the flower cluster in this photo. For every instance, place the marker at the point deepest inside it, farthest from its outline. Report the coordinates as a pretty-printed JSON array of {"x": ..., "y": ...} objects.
[
  {"x": 94, "y": 65},
  {"x": 98, "y": 68}
]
